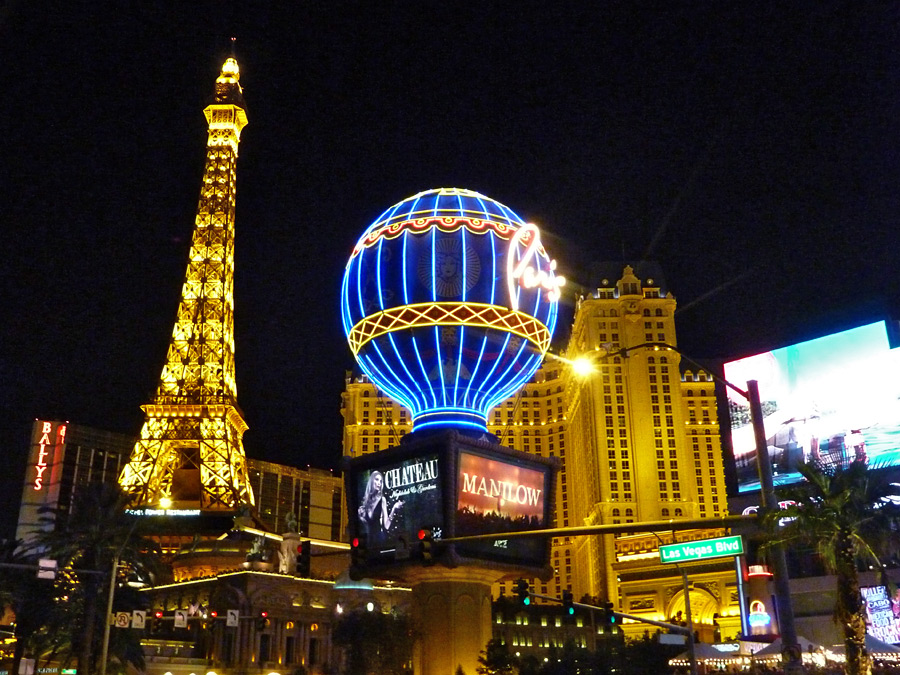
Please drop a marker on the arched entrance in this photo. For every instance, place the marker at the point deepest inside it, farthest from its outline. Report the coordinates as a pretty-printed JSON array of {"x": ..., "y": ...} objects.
[{"x": 704, "y": 612}]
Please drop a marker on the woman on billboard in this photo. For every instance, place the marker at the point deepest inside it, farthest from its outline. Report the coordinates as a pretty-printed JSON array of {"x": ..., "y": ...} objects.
[{"x": 374, "y": 516}]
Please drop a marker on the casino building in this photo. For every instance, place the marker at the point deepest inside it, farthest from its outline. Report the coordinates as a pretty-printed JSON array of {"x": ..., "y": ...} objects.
[
  {"x": 63, "y": 455},
  {"x": 638, "y": 440}
]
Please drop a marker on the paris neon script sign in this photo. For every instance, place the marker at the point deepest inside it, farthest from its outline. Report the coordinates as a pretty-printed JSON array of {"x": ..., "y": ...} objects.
[{"x": 721, "y": 547}]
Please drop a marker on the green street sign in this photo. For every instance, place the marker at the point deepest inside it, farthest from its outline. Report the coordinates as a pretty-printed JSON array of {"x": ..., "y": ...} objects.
[{"x": 721, "y": 547}]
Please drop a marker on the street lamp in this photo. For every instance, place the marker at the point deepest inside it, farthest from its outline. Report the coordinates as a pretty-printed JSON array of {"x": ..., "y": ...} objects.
[
  {"x": 582, "y": 366},
  {"x": 110, "y": 596},
  {"x": 791, "y": 654}
]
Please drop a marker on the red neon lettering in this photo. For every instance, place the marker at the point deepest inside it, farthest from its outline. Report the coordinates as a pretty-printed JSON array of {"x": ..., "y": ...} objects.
[{"x": 41, "y": 464}]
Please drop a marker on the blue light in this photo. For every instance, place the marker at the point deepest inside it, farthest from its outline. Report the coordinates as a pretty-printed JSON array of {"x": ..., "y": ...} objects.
[{"x": 430, "y": 285}]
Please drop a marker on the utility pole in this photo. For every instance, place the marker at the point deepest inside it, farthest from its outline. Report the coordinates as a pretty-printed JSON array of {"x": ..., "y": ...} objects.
[
  {"x": 790, "y": 649},
  {"x": 104, "y": 651}
]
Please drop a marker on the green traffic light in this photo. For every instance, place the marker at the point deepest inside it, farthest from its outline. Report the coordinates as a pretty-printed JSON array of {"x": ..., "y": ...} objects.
[
  {"x": 571, "y": 610},
  {"x": 526, "y": 601}
]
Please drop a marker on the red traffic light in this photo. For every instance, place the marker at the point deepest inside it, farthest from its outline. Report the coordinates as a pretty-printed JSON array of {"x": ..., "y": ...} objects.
[
  {"x": 355, "y": 542},
  {"x": 214, "y": 614},
  {"x": 158, "y": 614},
  {"x": 300, "y": 547},
  {"x": 422, "y": 534},
  {"x": 264, "y": 614}
]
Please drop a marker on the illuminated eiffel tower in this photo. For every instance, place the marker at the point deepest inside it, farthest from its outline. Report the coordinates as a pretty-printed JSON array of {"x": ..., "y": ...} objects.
[{"x": 190, "y": 454}]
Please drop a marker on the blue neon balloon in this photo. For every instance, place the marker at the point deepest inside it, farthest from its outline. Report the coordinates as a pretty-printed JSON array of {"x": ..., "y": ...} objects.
[{"x": 449, "y": 302}]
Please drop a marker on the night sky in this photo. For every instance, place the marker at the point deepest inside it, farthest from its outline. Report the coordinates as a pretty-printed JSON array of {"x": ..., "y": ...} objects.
[{"x": 750, "y": 148}]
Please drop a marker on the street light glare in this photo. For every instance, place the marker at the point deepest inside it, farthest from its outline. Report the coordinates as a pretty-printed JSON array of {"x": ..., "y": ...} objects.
[{"x": 582, "y": 366}]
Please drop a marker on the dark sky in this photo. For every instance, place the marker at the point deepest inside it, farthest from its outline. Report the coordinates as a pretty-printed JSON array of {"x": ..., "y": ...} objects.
[{"x": 749, "y": 147}]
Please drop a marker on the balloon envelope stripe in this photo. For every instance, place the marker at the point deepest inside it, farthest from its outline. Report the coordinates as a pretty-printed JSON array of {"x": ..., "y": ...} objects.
[
  {"x": 399, "y": 380},
  {"x": 503, "y": 382}
]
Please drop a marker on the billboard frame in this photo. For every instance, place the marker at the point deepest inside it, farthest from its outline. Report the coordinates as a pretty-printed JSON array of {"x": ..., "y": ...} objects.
[{"x": 448, "y": 445}]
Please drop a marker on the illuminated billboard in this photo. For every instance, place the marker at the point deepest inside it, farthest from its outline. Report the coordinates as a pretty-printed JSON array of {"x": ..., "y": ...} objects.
[
  {"x": 882, "y": 614},
  {"x": 495, "y": 494},
  {"x": 393, "y": 500},
  {"x": 831, "y": 400},
  {"x": 455, "y": 486}
]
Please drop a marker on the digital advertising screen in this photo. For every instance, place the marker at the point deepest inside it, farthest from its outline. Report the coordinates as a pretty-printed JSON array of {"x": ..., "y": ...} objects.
[
  {"x": 497, "y": 495},
  {"x": 393, "y": 501},
  {"x": 831, "y": 400},
  {"x": 882, "y": 614}
]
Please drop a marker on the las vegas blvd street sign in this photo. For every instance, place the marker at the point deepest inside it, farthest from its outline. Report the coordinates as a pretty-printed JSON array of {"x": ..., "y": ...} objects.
[{"x": 701, "y": 550}]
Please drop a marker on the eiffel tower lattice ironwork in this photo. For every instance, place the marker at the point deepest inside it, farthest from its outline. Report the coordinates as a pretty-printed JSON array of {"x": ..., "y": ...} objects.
[{"x": 190, "y": 454}]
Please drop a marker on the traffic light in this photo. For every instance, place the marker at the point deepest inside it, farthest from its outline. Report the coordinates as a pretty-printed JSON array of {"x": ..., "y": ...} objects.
[
  {"x": 262, "y": 622},
  {"x": 426, "y": 546},
  {"x": 304, "y": 550},
  {"x": 156, "y": 624},
  {"x": 359, "y": 555},
  {"x": 567, "y": 603},
  {"x": 522, "y": 592},
  {"x": 607, "y": 616}
]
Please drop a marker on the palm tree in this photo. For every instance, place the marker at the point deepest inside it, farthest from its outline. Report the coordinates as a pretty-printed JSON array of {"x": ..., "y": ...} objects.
[
  {"x": 31, "y": 600},
  {"x": 846, "y": 516},
  {"x": 85, "y": 542}
]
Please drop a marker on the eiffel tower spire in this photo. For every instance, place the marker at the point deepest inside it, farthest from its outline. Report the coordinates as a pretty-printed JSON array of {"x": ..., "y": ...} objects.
[{"x": 190, "y": 453}]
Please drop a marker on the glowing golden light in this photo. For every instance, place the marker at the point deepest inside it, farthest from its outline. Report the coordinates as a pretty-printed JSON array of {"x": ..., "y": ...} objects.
[
  {"x": 583, "y": 366},
  {"x": 193, "y": 421}
]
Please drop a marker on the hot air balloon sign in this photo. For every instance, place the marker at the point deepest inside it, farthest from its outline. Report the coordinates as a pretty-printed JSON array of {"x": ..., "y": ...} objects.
[{"x": 449, "y": 302}]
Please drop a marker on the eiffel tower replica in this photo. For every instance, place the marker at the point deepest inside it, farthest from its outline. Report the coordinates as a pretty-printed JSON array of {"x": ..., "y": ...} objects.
[{"x": 190, "y": 455}]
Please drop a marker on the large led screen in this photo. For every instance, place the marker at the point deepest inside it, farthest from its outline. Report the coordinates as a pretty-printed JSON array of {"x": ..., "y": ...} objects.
[
  {"x": 831, "y": 400},
  {"x": 882, "y": 614},
  {"x": 394, "y": 501},
  {"x": 498, "y": 496}
]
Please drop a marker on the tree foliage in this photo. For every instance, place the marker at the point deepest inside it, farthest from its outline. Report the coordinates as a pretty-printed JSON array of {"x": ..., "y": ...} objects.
[
  {"x": 85, "y": 542},
  {"x": 374, "y": 642},
  {"x": 32, "y": 600},
  {"x": 496, "y": 659},
  {"x": 847, "y": 517}
]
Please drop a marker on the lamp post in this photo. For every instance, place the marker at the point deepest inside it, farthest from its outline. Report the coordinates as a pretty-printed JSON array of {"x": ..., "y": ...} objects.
[
  {"x": 104, "y": 650},
  {"x": 791, "y": 654},
  {"x": 110, "y": 596}
]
